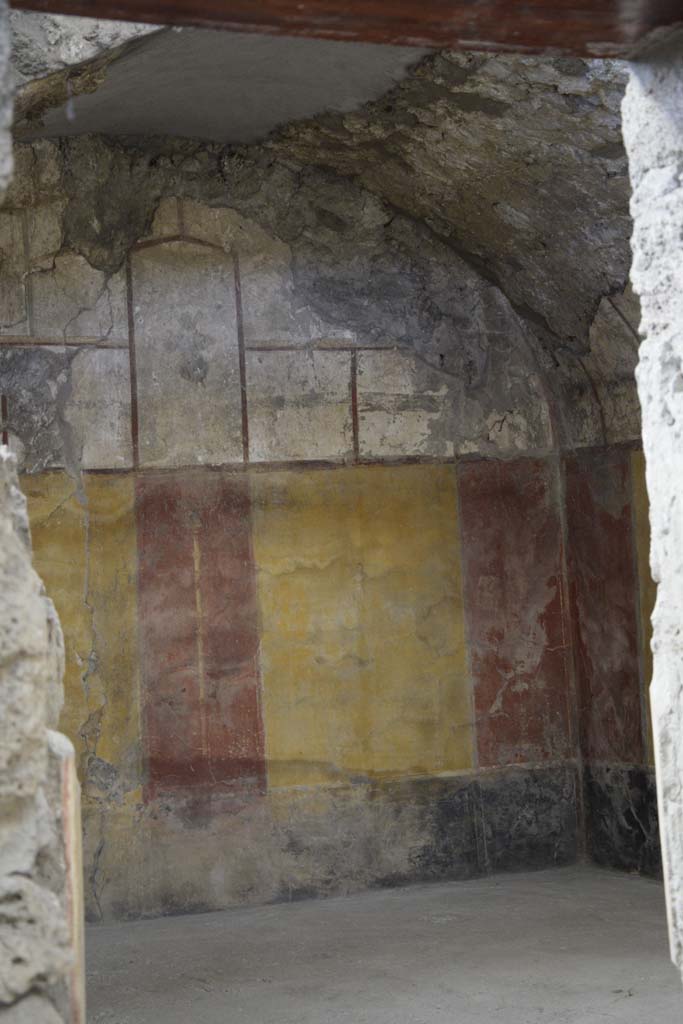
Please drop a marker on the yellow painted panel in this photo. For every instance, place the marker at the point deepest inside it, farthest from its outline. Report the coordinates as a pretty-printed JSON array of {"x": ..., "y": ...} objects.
[
  {"x": 85, "y": 551},
  {"x": 363, "y": 648},
  {"x": 647, "y": 587}
]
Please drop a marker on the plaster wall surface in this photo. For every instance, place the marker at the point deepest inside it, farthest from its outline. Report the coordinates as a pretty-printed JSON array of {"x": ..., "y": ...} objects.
[
  {"x": 294, "y": 471},
  {"x": 517, "y": 620},
  {"x": 490, "y": 151},
  {"x": 362, "y": 634},
  {"x": 610, "y": 594},
  {"x": 599, "y": 514},
  {"x": 399, "y": 407}
]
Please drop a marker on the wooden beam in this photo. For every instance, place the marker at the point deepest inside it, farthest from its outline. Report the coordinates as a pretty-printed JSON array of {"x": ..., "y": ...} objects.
[{"x": 585, "y": 27}]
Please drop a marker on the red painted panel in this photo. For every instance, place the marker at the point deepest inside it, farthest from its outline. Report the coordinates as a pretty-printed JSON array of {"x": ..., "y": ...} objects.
[
  {"x": 603, "y": 599},
  {"x": 199, "y": 634},
  {"x": 516, "y": 620}
]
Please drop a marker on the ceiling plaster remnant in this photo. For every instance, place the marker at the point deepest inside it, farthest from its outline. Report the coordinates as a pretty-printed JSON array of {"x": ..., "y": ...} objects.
[{"x": 222, "y": 86}]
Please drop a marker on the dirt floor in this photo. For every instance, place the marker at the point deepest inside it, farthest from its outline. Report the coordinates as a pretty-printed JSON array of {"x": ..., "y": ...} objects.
[{"x": 570, "y": 946}]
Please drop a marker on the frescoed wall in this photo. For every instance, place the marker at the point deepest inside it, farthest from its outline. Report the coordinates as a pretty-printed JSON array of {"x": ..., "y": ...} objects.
[
  {"x": 612, "y": 597},
  {"x": 338, "y": 610}
]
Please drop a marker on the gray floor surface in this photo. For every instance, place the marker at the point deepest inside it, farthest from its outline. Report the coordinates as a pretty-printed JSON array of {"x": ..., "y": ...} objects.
[{"x": 570, "y": 946}]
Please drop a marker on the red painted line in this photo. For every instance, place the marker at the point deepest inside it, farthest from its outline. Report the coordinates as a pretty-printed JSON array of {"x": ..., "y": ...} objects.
[
  {"x": 291, "y": 465},
  {"x": 321, "y": 347},
  {"x": 242, "y": 356},
  {"x": 17, "y": 341},
  {"x": 28, "y": 277},
  {"x": 4, "y": 418},
  {"x": 134, "y": 418},
  {"x": 151, "y": 243},
  {"x": 408, "y": 460},
  {"x": 354, "y": 406}
]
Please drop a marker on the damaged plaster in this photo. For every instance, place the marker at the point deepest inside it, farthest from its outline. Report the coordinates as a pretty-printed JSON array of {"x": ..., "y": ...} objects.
[
  {"x": 447, "y": 363},
  {"x": 506, "y": 171},
  {"x": 653, "y": 128},
  {"x": 229, "y": 87},
  {"x": 516, "y": 162},
  {"x": 58, "y": 57}
]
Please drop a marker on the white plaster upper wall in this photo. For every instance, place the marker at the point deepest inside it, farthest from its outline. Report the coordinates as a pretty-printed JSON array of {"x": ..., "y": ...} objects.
[
  {"x": 65, "y": 366},
  {"x": 364, "y": 336}
]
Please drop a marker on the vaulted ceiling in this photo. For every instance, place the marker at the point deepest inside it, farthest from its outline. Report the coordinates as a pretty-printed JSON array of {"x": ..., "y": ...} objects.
[{"x": 514, "y": 162}]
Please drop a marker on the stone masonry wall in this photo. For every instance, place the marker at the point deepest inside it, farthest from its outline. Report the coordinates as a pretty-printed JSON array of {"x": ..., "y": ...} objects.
[
  {"x": 41, "y": 966},
  {"x": 296, "y": 478},
  {"x": 41, "y": 907}
]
